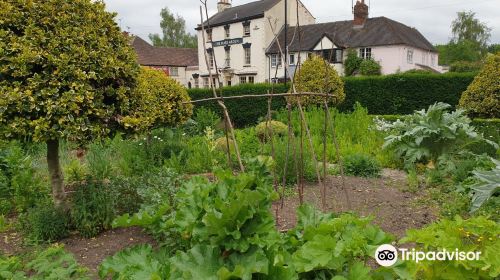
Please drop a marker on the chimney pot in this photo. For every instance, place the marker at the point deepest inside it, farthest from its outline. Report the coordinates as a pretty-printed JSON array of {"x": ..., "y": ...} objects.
[
  {"x": 360, "y": 13},
  {"x": 223, "y": 5}
]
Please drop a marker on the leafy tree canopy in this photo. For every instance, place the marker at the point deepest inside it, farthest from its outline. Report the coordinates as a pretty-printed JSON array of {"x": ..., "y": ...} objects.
[
  {"x": 157, "y": 100},
  {"x": 64, "y": 76},
  {"x": 466, "y": 27},
  {"x": 318, "y": 76},
  {"x": 174, "y": 33},
  {"x": 482, "y": 97}
]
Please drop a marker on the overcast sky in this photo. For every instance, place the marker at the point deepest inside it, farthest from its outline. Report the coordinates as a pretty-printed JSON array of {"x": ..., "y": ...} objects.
[{"x": 431, "y": 17}]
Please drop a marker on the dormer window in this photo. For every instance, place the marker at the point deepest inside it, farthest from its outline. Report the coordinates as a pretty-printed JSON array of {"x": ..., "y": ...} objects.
[
  {"x": 246, "y": 28},
  {"x": 227, "y": 31}
]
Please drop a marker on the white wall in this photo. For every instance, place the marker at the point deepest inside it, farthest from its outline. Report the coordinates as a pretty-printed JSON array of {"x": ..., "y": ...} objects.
[{"x": 394, "y": 59}]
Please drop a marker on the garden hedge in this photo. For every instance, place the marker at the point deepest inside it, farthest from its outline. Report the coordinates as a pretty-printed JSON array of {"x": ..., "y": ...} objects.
[{"x": 383, "y": 95}]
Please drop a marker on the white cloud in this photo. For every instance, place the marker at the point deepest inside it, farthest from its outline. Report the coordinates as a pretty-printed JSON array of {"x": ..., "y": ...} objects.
[{"x": 432, "y": 18}]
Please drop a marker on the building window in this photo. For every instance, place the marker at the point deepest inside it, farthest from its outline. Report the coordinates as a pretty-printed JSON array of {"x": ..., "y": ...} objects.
[
  {"x": 275, "y": 60},
  {"x": 365, "y": 53},
  {"x": 227, "y": 62},
  {"x": 433, "y": 60},
  {"x": 332, "y": 55},
  {"x": 409, "y": 56},
  {"x": 205, "y": 83},
  {"x": 209, "y": 35},
  {"x": 292, "y": 59},
  {"x": 243, "y": 79},
  {"x": 210, "y": 58},
  {"x": 248, "y": 56},
  {"x": 227, "y": 31},
  {"x": 251, "y": 79},
  {"x": 246, "y": 30},
  {"x": 174, "y": 71},
  {"x": 197, "y": 83}
]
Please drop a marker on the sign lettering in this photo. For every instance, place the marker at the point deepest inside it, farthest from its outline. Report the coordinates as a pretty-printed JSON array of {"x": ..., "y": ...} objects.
[{"x": 227, "y": 42}]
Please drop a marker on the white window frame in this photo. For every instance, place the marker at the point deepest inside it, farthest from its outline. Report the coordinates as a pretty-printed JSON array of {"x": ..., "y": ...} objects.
[
  {"x": 174, "y": 71},
  {"x": 211, "y": 59},
  {"x": 291, "y": 59},
  {"x": 247, "y": 52},
  {"x": 227, "y": 32},
  {"x": 246, "y": 30},
  {"x": 409, "y": 56},
  {"x": 243, "y": 80},
  {"x": 206, "y": 83},
  {"x": 433, "y": 60},
  {"x": 228, "y": 58},
  {"x": 365, "y": 53},
  {"x": 209, "y": 35},
  {"x": 275, "y": 60},
  {"x": 251, "y": 79},
  {"x": 197, "y": 83}
]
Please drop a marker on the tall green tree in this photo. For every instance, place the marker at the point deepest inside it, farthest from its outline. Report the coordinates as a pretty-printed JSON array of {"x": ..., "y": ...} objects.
[
  {"x": 466, "y": 27},
  {"x": 173, "y": 32},
  {"x": 66, "y": 72}
]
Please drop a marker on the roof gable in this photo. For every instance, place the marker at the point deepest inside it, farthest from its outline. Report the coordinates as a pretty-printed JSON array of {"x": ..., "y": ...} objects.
[{"x": 149, "y": 55}]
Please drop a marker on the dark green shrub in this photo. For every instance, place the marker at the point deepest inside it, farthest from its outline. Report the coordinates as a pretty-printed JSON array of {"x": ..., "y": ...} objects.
[
  {"x": 466, "y": 66},
  {"x": 381, "y": 95},
  {"x": 370, "y": 67},
  {"x": 352, "y": 63},
  {"x": 45, "y": 223},
  {"x": 361, "y": 165},
  {"x": 93, "y": 207}
]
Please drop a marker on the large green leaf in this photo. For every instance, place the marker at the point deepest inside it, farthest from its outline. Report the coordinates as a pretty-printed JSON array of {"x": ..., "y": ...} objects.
[
  {"x": 489, "y": 185},
  {"x": 135, "y": 263}
]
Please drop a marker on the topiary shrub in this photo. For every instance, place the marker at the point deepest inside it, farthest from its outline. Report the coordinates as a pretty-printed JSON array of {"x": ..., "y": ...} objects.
[
  {"x": 482, "y": 97},
  {"x": 158, "y": 100},
  {"x": 369, "y": 67},
  {"x": 352, "y": 63},
  {"x": 45, "y": 223},
  {"x": 275, "y": 128},
  {"x": 361, "y": 165},
  {"x": 318, "y": 76}
]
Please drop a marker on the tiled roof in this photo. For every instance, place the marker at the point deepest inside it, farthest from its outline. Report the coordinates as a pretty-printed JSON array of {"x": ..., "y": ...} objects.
[
  {"x": 149, "y": 55},
  {"x": 241, "y": 13},
  {"x": 379, "y": 31}
]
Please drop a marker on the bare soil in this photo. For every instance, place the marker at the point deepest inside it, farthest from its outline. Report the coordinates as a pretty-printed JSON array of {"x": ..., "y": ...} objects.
[{"x": 384, "y": 198}]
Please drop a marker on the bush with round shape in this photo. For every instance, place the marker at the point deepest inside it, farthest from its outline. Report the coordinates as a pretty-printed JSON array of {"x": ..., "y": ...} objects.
[
  {"x": 273, "y": 128},
  {"x": 158, "y": 100},
  {"x": 370, "y": 67},
  {"x": 352, "y": 63},
  {"x": 66, "y": 72},
  {"x": 482, "y": 97},
  {"x": 221, "y": 144},
  {"x": 317, "y": 76}
]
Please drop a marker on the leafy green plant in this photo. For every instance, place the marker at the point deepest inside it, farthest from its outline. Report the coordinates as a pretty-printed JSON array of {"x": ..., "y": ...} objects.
[
  {"x": 488, "y": 185},
  {"x": 481, "y": 99},
  {"x": 138, "y": 262},
  {"x": 370, "y": 67},
  {"x": 361, "y": 165},
  {"x": 54, "y": 264},
  {"x": 11, "y": 268},
  {"x": 477, "y": 234},
  {"x": 93, "y": 207},
  {"x": 45, "y": 223},
  {"x": 431, "y": 135},
  {"x": 202, "y": 118},
  {"x": 275, "y": 128},
  {"x": 352, "y": 63}
]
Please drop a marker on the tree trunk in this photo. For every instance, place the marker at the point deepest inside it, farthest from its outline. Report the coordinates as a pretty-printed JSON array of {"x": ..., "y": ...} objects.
[{"x": 56, "y": 176}]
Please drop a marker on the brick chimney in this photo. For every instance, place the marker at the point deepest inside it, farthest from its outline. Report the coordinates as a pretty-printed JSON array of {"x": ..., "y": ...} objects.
[
  {"x": 223, "y": 5},
  {"x": 360, "y": 13}
]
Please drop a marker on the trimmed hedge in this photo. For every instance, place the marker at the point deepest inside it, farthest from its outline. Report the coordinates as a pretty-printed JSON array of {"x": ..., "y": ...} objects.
[
  {"x": 383, "y": 95},
  {"x": 244, "y": 111}
]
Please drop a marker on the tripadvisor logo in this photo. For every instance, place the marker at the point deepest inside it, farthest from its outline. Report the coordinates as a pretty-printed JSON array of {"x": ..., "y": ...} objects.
[{"x": 387, "y": 255}]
